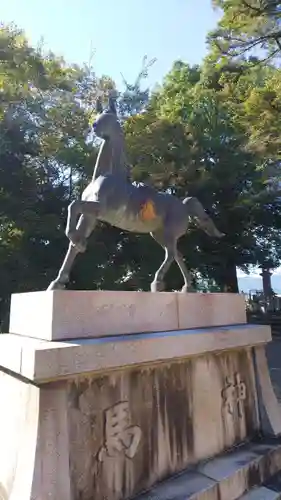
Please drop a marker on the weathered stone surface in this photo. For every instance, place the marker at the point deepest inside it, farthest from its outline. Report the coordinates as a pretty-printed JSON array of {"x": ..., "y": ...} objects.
[
  {"x": 42, "y": 361},
  {"x": 261, "y": 493},
  {"x": 115, "y": 433},
  {"x": 113, "y": 436},
  {"x": 72, "y": 314},
  {"x": 210, "y": 309},
  {"x": 18, "y": 436},
  {"x": 177, "y": 415},
  {"x": 110, "y": 417},
  {"x": 269, "y": 407},
  {"x": 274, "y": 483},
  {"x": 224, "y": 478},
  {"x": 244, "y": 468},
  {"x": 188, "y": 485}
]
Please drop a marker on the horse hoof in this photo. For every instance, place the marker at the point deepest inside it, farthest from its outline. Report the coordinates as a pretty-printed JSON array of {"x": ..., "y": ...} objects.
[
  {"x": 55, "y": 285},
  {"x": 187, "y": 289},
  {"x": 157, "y": 286}
]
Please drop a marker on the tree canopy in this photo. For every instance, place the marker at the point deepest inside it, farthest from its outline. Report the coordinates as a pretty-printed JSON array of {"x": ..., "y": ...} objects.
[{"x": 248, "y": 27}]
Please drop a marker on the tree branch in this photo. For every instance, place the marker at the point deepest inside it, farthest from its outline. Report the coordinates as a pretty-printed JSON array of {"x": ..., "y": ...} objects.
[{"x": 251, "y": 7}]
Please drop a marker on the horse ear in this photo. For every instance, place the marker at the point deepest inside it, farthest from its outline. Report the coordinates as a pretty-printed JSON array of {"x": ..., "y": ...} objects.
[
  {"x": 111, "y": 105},
  {"x": 99, "y": 108}
]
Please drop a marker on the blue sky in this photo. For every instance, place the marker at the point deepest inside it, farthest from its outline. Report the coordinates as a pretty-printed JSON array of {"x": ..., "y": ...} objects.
[{"x": 121, "y": 32}]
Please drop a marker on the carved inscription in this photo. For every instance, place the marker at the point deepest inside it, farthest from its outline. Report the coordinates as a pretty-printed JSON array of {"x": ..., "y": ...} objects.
[
  {"x": 127, "y": 309},
  {"x": 119, "y": 435},
  {"x": 233, "y": 395}
]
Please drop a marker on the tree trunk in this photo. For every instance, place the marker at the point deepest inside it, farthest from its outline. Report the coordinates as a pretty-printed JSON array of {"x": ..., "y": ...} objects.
[
  {"x": 230, "y": 282},
  {"x": 227, "y": 278}
]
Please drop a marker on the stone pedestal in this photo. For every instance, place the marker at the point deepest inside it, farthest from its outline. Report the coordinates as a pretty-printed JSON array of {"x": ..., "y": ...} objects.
[{"x": 95, "y": 406}]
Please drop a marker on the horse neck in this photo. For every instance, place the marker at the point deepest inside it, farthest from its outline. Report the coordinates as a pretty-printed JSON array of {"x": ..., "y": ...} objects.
[
  {"x": 118, "y": 155},
  {"x": 104, "y": 160},
  {"x": 111, "y": 158}
]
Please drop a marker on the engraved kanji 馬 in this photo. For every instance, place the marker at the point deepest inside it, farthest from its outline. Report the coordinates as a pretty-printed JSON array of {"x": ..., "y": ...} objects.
[{"x": 120, "y": 435}]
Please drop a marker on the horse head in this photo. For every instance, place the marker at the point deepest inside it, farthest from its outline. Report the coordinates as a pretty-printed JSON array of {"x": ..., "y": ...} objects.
[{"x": 106, "y": 125}]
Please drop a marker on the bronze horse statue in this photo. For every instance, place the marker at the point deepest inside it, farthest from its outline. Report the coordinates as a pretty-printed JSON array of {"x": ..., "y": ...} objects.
[{"x": 111, "y": 197}]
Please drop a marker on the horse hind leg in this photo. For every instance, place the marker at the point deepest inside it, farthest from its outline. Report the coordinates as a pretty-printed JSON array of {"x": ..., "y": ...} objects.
[
  {"x": 187, "y": 287},
  {"x": 157, "y": 284},
  {"x": 168, "y": 243}
]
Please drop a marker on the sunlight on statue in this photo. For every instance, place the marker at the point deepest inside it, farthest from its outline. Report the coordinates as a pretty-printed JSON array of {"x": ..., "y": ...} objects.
[{"x": 111, "y": 197}]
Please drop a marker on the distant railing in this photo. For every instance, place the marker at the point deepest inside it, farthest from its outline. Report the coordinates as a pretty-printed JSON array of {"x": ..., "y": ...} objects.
[{"x": 256, "y": 302}]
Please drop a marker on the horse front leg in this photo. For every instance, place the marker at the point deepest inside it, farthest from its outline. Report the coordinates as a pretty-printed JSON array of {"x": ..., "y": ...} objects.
[
  {"x": 89, "y": 209},
  {"x": 84, "y": 228},
  {"x": 63, "y": 275}
]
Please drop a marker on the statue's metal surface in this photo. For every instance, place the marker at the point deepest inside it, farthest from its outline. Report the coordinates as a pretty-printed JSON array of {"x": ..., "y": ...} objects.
[{"x": 111, "y": 197}]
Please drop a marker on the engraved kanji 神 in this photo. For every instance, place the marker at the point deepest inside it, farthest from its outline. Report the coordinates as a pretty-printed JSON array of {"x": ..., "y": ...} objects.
[
  {"x": 120, "y": 436},
  {"x": 234, "y": 394}
]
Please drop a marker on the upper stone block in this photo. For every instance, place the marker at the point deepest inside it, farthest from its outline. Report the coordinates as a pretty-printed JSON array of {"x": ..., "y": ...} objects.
[{"x": 61, "y": 315}]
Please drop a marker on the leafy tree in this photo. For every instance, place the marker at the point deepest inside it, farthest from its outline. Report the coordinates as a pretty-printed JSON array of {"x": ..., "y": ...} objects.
[
  {"x": 45, "y": 161},
  {"x": 248, "y": 26},
  {"x": 133, "y": 100},
  {"x": 41, "y": 138},
  {"x": 191, "y": 142},
  {"x": 252, "y": 93}
]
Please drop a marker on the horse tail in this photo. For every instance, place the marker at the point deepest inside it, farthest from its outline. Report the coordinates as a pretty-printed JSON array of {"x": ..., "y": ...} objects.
[{"x": 195, "y": 209}]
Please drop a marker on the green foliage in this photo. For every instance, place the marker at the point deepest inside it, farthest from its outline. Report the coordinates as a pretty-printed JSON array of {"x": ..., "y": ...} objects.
[
  {"x": 247, "y": 26},
  {"x": 193, "y": 140},
  {"x": 45, "y": 161}
]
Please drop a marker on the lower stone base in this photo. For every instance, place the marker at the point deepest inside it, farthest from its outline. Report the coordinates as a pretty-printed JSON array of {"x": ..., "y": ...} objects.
[
  {"x": 239, "y": 472},
  {"x": 261, "y": 493},
  {"x": 72, "y": 428},
  {"x": 273, "y": 485},
  {"x": 114, "y": 434}
]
